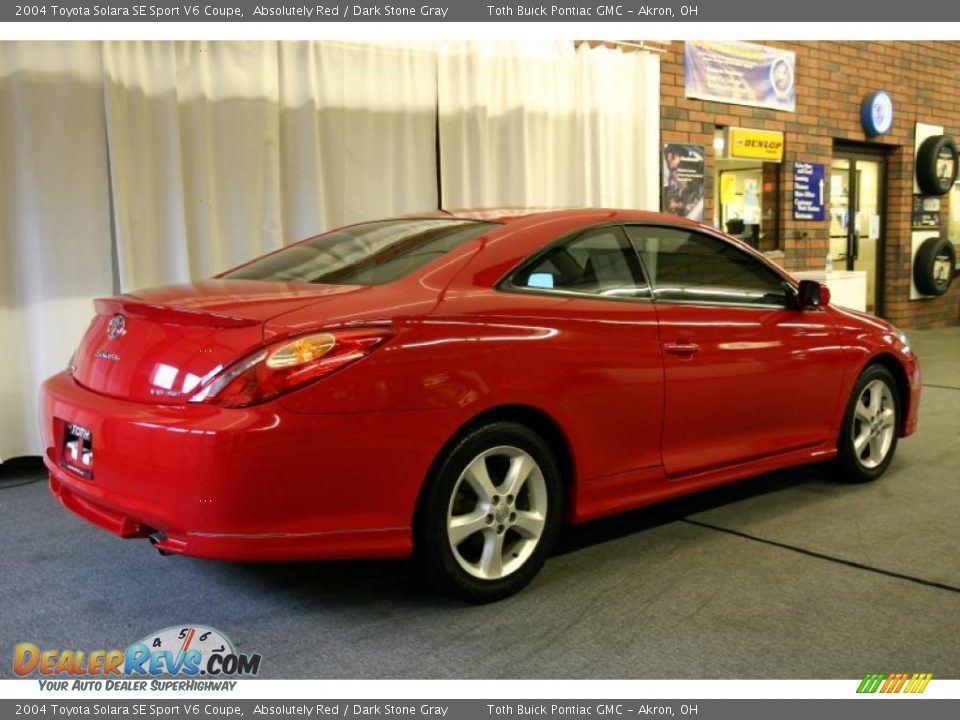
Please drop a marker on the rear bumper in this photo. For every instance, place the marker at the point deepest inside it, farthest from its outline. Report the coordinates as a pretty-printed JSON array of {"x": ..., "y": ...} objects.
[
  {"x": 251, "y": 484},
  {"x": 279, "y": 546}
]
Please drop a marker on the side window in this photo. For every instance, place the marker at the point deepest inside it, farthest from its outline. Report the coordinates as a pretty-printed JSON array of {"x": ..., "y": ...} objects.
[
  {"x": 690, "y": 266},
  {"x": 598, "y": 262}
]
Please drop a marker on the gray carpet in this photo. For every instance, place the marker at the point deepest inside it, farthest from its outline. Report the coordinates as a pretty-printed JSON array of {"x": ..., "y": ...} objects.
[{"x": 784, "y": 576}]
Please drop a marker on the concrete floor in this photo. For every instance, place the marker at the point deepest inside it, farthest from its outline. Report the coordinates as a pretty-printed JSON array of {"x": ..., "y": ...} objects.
[{"x": 783, "y": 576}]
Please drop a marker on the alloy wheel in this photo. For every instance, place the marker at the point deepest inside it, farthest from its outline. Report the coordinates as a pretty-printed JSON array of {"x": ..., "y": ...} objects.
[
  {"x": 497, "y": 512},
  {"x": 873, "y": 424}
]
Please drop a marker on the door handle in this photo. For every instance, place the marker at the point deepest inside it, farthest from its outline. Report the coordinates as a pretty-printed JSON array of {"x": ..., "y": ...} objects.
[{"x": 682, "y": 348}]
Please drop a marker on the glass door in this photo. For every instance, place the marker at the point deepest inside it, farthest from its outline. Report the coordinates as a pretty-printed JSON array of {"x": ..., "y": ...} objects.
[{"x": 856, "y": 216}]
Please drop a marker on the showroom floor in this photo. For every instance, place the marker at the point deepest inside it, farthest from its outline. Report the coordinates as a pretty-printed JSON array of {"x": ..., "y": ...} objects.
[{"x": 784, "y": 576}]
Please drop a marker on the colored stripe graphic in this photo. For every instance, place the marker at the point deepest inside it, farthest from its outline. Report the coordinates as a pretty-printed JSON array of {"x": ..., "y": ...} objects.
[
  {"x": 894, "y": 682},
  {"x": 919, "y": 682},
  {"x": 871, "y": 682}
]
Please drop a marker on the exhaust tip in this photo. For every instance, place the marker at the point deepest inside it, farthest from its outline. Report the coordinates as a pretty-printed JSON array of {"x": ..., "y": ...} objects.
[{"x": 156, "y": 539}]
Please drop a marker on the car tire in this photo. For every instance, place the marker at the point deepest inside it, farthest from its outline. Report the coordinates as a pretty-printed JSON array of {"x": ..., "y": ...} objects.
[
  {"x": 489, "y": 514},
  {"x": 868, "y": 437},
  {"x": 924, "y": 265},
  {"x": 928, "y": 154}
]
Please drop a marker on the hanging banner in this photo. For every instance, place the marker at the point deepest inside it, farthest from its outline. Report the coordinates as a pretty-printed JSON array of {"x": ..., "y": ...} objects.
[
  {"x": 741, "y": 73},
  {"x": 808, "y": 191},
  {"x": 682, "y": 192}
]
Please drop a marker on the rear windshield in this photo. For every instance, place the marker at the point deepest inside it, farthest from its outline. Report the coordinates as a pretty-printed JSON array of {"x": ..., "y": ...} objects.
[{"x": 369, "y": 254}]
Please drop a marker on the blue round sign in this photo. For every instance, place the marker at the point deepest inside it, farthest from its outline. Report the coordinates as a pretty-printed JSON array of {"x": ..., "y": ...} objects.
[{"x": 876, "y": 113}]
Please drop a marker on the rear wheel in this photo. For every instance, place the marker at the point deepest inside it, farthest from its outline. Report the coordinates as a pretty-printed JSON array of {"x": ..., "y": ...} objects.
[
  {"x": 868, "y": 438},
  {"x": 490, "y": 514}
]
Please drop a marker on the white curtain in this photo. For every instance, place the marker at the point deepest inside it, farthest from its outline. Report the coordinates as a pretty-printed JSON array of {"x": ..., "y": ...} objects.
[
  {"x": 358, "y": 132},
  {"x": 508, "y": 124},
  {"x": 220, "y": 151},
  {"x": 193, "y": 157},
  {"x": 125, "y": 165},
  {"x": 618, "y": 128},
  {"x": 54, "y": 220},
  {"x": 193, "y": 134},
  {"x": 533, "y": 123}
]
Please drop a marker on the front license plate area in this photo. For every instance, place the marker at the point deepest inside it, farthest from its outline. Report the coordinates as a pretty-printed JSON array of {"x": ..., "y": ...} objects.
[{"x": 76, "y": 454}]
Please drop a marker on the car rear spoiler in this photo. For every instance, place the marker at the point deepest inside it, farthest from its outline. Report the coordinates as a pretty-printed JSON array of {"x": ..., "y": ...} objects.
[{"x": 163, "y": 314}]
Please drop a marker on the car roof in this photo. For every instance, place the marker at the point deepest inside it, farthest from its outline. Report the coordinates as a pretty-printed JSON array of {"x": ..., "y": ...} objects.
[{"x": 507, "y": 215}]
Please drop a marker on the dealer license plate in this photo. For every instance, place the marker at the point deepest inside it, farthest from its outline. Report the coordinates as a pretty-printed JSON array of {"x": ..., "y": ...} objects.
[{"x": 77, "y": 452}]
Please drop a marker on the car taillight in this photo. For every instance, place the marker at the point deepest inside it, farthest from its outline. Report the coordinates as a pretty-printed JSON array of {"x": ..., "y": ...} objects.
[{"x": 287, "y": 365}]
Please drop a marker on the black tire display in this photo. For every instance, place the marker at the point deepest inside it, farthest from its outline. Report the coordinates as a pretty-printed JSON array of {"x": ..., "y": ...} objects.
[
  {"x": 933, "y": 266},
  {"x": 868, "y": 436},
  {"x": 937, "y": 165},
  {"x": 489, "y": 514}
]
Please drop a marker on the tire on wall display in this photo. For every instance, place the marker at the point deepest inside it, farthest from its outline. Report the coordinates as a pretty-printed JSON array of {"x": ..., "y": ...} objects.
[
  {"x": 937, "y": 165},
  {"x": 933, "y": 266}
]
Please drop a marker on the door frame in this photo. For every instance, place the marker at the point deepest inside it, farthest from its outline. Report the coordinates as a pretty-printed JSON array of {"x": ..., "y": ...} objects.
[{"x": 880, "y": 154}]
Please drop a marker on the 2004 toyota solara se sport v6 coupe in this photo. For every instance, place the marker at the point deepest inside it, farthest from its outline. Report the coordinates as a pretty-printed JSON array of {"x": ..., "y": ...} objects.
[{"x": 457, "y": 386}]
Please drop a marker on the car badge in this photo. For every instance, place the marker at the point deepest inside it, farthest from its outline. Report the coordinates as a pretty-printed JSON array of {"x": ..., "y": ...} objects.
[{"x": 117, "y": 327}]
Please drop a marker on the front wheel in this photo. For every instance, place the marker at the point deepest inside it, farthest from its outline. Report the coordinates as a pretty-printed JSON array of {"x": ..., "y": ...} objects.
[
  {"x": 868, "y": 437},
  {"x": 490, "y": 513}
]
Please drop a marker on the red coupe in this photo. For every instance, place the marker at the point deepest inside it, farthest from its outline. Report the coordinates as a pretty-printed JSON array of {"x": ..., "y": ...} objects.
[{"x": 456, "y": 386}]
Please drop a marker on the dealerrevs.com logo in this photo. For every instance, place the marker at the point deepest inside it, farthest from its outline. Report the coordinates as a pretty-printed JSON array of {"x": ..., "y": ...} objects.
[{"x": 188, "y": 651}]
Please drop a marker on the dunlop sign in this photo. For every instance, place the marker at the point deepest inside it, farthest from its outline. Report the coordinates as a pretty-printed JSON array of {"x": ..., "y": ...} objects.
[{"x": 744, "y": 143}]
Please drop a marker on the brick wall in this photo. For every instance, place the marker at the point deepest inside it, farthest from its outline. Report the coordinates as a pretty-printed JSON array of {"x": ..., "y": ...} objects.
[{"x": 923, "y": 78}]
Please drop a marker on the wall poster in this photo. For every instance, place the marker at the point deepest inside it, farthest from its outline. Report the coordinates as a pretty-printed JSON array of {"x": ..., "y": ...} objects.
[{"x": 682, "y": 174}]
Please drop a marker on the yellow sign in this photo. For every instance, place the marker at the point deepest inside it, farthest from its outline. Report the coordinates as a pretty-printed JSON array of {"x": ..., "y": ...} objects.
[
  {"x": 728, "y": 189},
  {"x": 755, "y": 144}
]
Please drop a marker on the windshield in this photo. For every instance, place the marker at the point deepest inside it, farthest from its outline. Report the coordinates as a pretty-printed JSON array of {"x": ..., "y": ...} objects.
[{"x": 369, "y": 254}]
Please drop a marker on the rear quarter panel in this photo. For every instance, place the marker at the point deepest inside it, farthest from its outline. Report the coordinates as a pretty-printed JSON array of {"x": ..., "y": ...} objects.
[{"x": 593, "y": 366}]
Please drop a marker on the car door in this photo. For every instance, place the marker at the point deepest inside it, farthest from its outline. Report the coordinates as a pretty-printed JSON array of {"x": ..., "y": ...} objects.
[
  {"x": 746, "y": 375},
  {"x": 602, "y": 370}
]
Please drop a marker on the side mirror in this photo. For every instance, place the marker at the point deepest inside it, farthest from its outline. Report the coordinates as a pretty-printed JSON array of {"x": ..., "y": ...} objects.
[{"x": 812, "y": 295}]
